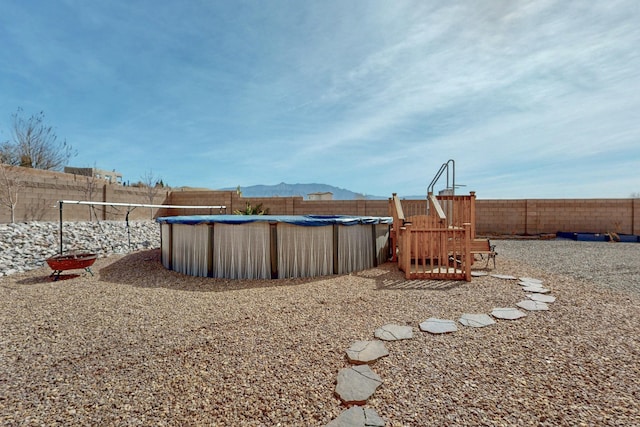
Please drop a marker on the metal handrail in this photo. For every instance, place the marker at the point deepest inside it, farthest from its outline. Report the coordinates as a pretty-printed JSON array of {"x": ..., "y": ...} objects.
[{"x": 445, "y": 166}]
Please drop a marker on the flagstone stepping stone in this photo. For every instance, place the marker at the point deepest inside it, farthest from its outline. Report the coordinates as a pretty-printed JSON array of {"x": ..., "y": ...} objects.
[
  {"x": 504, "y": 276},
  {"x": 508, "y": 313},
  {"x": 479, "y": 273},
  {"x": 438, "y": 326},
  {"x": 536, "y": 289},
  {"x": 393, "y": 332},
  {"x": 532, "y": 305},
  {"x": 521, "y": 283},
  {"x": 366, "y": 351},
  {"x": 541, "y": 298},
  {"x": 356, "y": 384},
  {"x": 476, "y": 320},
  {"x": 531, "y": 280},
  {"x": 357, "y": 416}
]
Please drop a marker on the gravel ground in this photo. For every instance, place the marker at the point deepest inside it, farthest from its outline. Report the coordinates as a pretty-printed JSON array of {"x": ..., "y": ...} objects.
[
  {"x": 139, "y": 345},
  {"x": 613, "y": 265}
]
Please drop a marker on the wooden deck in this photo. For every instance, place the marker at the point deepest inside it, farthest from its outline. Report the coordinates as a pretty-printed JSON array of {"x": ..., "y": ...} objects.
[{"x": 434, "y": 246}]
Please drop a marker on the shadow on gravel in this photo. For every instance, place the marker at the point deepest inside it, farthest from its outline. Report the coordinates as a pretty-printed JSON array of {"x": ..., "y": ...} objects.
[
  {"x": 426, "y": 285},
  {"x": 38, "y": 280},
  {"x": 388, "y": 277},
  {"x": 144, "y": 269}
]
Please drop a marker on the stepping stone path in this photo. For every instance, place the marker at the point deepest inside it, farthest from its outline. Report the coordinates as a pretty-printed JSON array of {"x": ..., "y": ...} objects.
[
  {"x": 357, "y": 416},
  {"x": 532, "y": 305},
  {"x": 393, "y": 332},
  {"x": 356, "y": 384},
  {"x": 362, "y": 352},
  {"x": 476, "y": 320},
  {"x": 507, "y": 313},
  {"x": 438, "y": 326}
]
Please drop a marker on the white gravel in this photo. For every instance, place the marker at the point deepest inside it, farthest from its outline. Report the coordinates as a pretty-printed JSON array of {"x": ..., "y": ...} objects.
[{"x": 140, "y": 345}]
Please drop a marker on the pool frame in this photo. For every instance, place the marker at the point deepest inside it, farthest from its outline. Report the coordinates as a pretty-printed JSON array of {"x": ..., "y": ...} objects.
[{"x": 201, "y": 245}]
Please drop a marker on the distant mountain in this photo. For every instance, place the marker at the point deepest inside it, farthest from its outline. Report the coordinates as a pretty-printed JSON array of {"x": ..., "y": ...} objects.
[{"x": 302, "y": 190}]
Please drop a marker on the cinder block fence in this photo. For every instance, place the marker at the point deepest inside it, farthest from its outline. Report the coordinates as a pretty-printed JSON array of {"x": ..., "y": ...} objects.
[{"x": 40, "y": 191}]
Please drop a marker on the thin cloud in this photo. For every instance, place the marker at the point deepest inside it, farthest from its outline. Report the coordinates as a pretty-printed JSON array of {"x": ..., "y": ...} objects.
[{"x": 372, "y": 96}]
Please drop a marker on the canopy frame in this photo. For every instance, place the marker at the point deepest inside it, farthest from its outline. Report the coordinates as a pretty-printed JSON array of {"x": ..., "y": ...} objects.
[{"x": 130, "y": 207}]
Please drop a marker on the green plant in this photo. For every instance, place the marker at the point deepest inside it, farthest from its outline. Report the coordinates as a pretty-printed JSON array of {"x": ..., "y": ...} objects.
[{"x": 252, "y": 210}]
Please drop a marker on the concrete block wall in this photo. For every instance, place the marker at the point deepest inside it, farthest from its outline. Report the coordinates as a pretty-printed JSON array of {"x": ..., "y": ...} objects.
[
  {"x": 501, "y": 217},
  {"x": 635, "y": 216},
  {"x": 414, "y": 207},
  {"x": 276, "y": 205},
  {"x": 547, "y": 216},
  {"x": 197, "y": 198},
  {"x": 342, "y": 207},
  {"x": 41, "y": 190}
]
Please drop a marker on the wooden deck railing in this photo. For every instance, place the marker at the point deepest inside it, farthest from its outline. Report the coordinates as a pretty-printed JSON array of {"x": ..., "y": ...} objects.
[
  {"x": 435, "y": 253},
  {"x": 395, "y": 208},
  {"x": 460, "y": 210}
]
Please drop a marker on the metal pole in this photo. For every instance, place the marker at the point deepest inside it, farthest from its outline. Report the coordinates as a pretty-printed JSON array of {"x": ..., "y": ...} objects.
[
  {"x": 453, "y": 175},
  {"x": 128, "y": 229},
  {"x": 60, "y": 202}
]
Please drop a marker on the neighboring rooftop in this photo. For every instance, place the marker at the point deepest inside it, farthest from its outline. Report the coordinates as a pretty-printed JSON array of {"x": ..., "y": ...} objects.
[{"x": 111, "y": 176}]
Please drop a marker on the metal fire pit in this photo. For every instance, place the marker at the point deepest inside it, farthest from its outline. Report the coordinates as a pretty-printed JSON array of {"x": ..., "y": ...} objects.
[{"x": 60, "y": 263}]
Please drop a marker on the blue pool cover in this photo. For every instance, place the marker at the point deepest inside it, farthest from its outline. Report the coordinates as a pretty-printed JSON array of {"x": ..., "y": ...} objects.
[
  {"x": 596, "y": 237},
  {"x": 304, "y": 220}
]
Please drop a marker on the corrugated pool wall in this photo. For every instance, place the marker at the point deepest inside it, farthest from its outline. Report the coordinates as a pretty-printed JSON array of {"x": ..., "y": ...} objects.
[{"x": 272, "y": 250}]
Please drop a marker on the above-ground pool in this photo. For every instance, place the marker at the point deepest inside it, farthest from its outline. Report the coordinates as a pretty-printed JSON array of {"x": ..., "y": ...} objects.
[{"x": 272, "y": 246}]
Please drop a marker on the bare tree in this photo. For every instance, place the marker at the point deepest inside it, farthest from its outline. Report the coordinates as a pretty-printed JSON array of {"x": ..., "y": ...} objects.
[
  {"x": 89, "y": 190},
  {"x": 35, "y": 144},
  {"x": 8, "y": 154},
  {"x": 151, "y": 184},
  {"x": 11, "y": 183}
]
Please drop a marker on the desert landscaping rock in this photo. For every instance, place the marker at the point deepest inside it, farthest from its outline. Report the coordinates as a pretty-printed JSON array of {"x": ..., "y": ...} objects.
[
  {"x": 438, "y": 326},
  {"x": 362, "y": 352},
  {"x": 542, "y": 298},
  {"x": 507, "y": 313},
  {"x": 26, "y": 246},
  {"x": 532, "y": 305},
  {"x": 393, "y": 332},
  {"x": 476, "y": 320},
  {"x": 356, "y": 384},
  {"x": 357, "y": 416}
]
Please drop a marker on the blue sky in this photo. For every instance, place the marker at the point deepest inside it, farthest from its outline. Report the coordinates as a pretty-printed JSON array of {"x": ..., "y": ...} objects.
[{"x": 532, "y": 99}]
